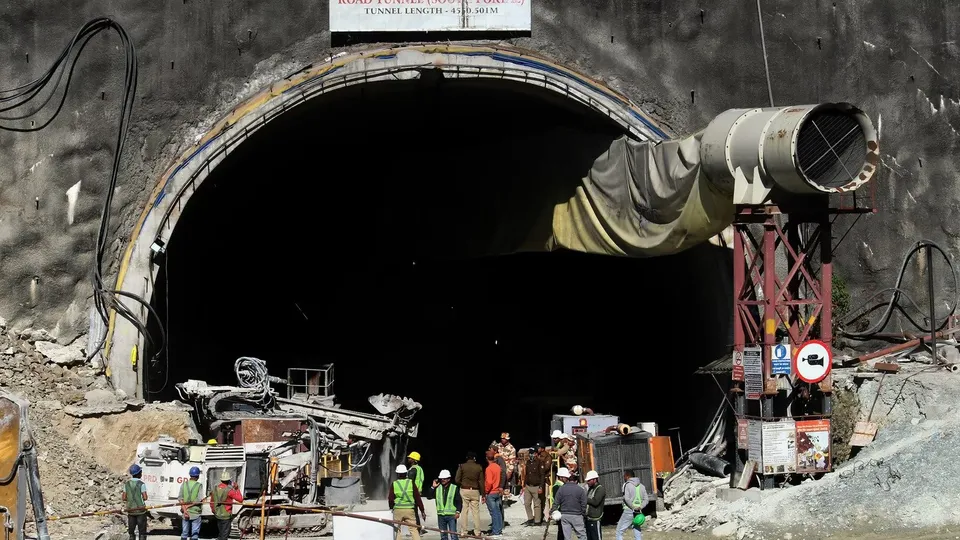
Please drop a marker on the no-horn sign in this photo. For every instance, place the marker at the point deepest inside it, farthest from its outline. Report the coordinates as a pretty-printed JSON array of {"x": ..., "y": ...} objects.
[{"x": 812, "y": 361}]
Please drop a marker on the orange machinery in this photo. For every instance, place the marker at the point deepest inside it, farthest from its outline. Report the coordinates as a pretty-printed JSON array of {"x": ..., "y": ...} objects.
[
  {"x": 613, "y": 452},
  {"x": 18, "y": 471}
]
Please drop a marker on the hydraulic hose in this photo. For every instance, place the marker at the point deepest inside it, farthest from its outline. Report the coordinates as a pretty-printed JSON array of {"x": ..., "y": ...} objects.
[{"x": 897, "y": 292}]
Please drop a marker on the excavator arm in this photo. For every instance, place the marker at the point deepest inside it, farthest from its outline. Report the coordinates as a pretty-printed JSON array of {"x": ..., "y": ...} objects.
[{"x": 19, "y": 473}]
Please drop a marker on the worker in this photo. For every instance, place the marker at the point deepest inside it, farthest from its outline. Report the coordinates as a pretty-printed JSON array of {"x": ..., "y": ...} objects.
[
  {"x": 567, "y": 451},
  {"x": 571, "y": 502},
  {"x": 570, "y": 457},
  {"x": 190, "y": 500},
  {"x": 493, "y": 493},
  {"x": 509, "y": 455},
  {"x": 502, "y": 463},
  {"x": 557, "y": 484},
  {"x": 404, "y": 499},
  {"x": 533, "y": 482},
  {"x": 546, "y": 461},
  {"x": 634, "y": 500},
  {"x": 135, "y": 496},
  {"x": 221, "y": 505},
  {"x": 449, "y": 505},
  {"x": 415, "y": 473},
  {"x": 556, "y": 437},
  {"x": 470, "y": 479},
  {"x": 596, "y": 499}
]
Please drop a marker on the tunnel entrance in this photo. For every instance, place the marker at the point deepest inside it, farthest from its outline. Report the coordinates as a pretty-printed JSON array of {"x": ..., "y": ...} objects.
[{"x": 369, "y": 228}]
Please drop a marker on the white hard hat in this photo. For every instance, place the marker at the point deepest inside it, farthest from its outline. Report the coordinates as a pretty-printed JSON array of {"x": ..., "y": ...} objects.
[
  {"x": 577, "y": 410},
  {"x": 444, "y": 474},
  {"x": 556, "y": 434},
  {"x": 401, "y": 469},
  {"x": 592, "y": 475},
  {"x": 556, "y": 515},
  {"x": 563, "y": 472}
]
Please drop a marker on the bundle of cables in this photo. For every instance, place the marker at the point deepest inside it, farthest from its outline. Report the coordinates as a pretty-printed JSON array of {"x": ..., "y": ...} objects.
[
  {"x": 898, "y": 293},
  {"x": 22, "y": 104}
]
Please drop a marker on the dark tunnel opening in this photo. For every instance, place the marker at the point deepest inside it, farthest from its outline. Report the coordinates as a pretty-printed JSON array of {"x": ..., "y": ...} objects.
[{"x": 362, "y": 229}]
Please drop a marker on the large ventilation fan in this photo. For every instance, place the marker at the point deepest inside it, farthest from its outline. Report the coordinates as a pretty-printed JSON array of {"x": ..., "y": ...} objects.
[{"x": 772, "y": 155}]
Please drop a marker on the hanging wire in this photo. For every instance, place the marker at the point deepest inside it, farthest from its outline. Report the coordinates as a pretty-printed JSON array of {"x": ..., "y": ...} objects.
[
  {"x": 26, "y": 105},
  {"x": 763, "y": 45}
]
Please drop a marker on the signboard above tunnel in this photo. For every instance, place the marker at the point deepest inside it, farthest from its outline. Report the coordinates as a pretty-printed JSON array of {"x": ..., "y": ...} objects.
[{"x": 430, "y": 15}]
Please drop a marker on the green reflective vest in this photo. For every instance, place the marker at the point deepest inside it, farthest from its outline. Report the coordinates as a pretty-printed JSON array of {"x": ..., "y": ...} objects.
[
  {"x": 417, "y": 473},
  {"x": 637, "y": 499},
  {"x": 445, "y": 504},
  {"x": 590, "y": 493},
  {"x": 190, "y": 493},
  {"x": 132, "y": 489},
  {"x": 220, "y": 495},
  {"x": 403, "y": 494}
]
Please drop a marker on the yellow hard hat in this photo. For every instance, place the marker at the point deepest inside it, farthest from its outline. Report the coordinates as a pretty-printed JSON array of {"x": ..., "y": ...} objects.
[
  {"x": 414, "y": 456},
  {"x": 212, "y": 442}
]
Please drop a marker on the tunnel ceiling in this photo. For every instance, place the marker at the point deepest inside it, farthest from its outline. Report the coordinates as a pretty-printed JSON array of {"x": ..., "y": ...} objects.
[{"x": 457, "y": 168}]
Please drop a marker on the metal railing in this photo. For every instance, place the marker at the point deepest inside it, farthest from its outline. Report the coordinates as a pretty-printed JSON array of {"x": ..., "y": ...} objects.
[{"x": 308, "y": 382}]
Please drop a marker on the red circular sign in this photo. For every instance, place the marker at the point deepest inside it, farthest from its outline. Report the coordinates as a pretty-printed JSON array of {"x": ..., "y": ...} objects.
[{"x": 813, "y": 361}]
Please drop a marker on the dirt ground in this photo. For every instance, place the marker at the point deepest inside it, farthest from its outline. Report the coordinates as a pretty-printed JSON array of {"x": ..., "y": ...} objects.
[
  {"x": 514, "y": 515},
  {"x": 609, "y": 533}
]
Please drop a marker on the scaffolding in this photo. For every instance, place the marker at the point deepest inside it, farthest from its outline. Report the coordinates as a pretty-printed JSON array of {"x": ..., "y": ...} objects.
[{"x": 782, "y": 278}]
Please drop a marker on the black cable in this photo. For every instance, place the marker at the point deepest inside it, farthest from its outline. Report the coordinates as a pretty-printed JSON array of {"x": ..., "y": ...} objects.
[
  {"x": 898, "y": 293},
  {"x": 104, "y": 299}
]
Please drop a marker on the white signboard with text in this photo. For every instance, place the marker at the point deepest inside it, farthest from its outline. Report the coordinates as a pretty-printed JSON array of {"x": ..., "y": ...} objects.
[
  {"x": 779, "y": 441},
  {"x": 429, "y": 15}
]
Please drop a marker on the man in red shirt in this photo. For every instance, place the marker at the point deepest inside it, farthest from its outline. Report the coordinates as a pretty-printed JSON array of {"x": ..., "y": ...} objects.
[
  {"x": 493, "y": 492},
  {"x": 221, "y": 505}
]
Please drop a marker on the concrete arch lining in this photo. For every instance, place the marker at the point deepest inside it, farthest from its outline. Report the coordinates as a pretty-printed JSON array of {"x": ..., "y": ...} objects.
[{"x": 173, "y": 191}]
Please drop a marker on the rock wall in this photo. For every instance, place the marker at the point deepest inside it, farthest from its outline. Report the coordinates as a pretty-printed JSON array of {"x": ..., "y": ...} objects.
[{"x": 683, "y": 60}]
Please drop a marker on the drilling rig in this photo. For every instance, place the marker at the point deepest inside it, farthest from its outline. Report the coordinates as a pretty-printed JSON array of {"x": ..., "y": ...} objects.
[{"x": 299, "y": 451}]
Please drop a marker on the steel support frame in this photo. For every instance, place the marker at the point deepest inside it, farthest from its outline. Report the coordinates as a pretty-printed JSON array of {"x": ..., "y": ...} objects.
[
  {"x": 792, "y": 300},
  {"x": 758, "y": 285}
]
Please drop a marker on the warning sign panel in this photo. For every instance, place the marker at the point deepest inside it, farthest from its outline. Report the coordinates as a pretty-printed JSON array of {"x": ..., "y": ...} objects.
[
  {"x": 738, "y": 365},
  {"x": 743, "y": 439},
  {"x": 813, "y": 446},
  {"x": 755, "y": 440},
  {"x": 779, "y": 447},
  {"x": 753, "y": 372}
]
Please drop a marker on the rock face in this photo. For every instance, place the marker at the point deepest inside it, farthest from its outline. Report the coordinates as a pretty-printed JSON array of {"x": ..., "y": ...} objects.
[
  {"x": 682, "y": 61},
  {"x": 82, "y": 462}
]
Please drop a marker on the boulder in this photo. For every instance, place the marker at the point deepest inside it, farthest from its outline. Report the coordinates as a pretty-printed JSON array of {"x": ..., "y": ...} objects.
[{"x": 69, "y": 355}]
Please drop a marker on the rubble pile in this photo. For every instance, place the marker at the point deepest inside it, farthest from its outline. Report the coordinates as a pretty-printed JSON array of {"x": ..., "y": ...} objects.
[
  {"x": 53, "y": 380},
  {"x": 904, "y": 480}
]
